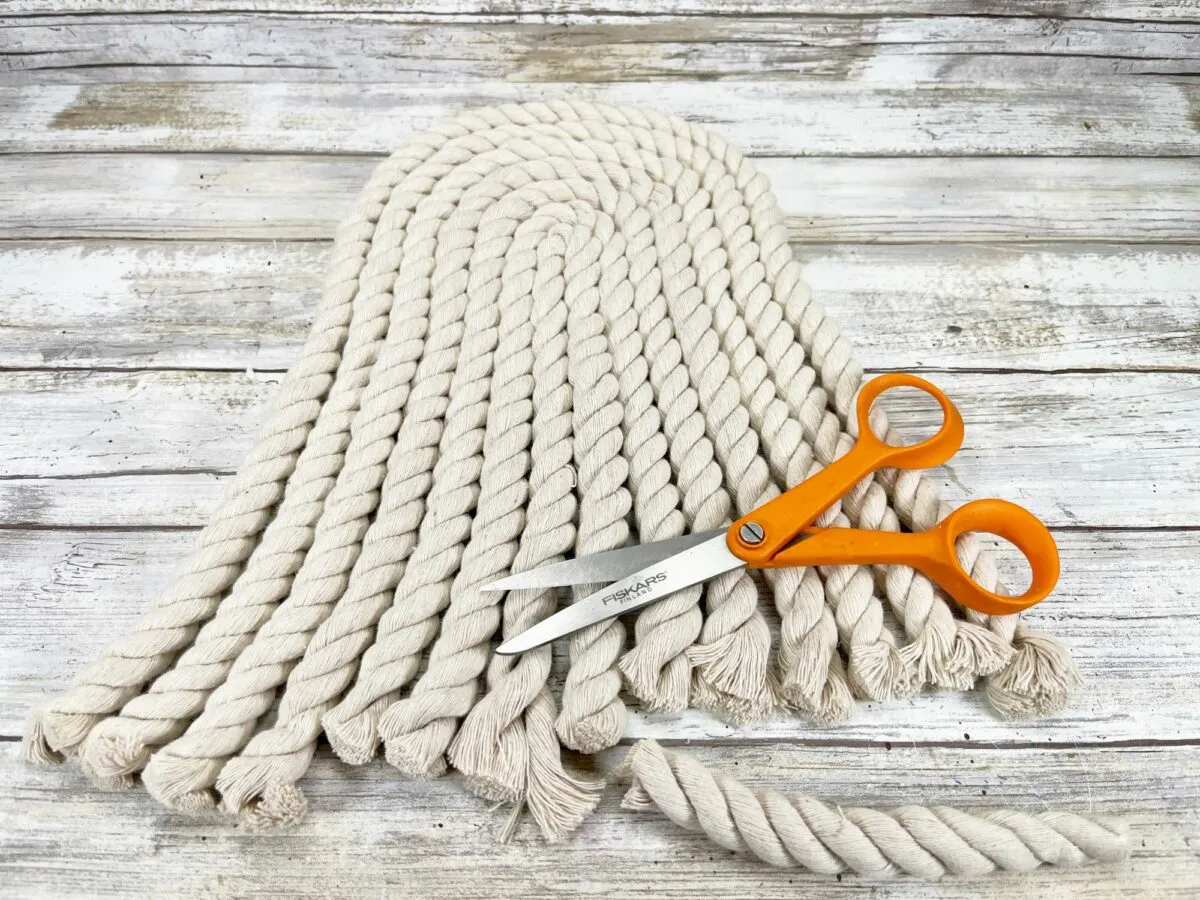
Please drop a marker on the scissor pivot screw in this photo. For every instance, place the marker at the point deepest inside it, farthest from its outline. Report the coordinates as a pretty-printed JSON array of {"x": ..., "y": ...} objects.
[{"x": 751, "y": 533}]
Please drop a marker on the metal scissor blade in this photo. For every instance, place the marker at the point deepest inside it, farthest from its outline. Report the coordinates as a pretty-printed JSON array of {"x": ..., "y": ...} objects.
[
  {"x": 600, "y": 568},
  {"x": 691, "y": 566}
]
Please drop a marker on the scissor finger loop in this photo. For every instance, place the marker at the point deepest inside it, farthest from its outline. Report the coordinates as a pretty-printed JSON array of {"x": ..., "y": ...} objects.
[{"x": 762, "y": 534}]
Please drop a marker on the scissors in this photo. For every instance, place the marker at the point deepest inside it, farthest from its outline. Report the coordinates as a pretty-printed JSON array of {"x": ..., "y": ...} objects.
[{"x": 780, "y": 533}]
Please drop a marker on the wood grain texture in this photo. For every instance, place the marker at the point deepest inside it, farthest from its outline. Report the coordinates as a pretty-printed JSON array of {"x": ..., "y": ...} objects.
[
  {"x": 172, "y": 304},
  {"x": 467, "y": 10},
  {"x": 896, "y": 49},
  {"x": 825, "y": 117},
  {"x": 1125, "y": 607},
  {"x": 180, "y": 304},
  {"x": 373, "y": 833},
  {"x": 171, "y": 500},
  {"x": 826, "y": 200}
]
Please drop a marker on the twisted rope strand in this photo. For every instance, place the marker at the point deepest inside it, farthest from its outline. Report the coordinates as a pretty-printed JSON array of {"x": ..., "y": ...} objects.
[
  {"x": 719, "y": 682},
  {"x": 736, "y": 657},
  {"x": 507, "y": 746},
  {"x": 229, "y": 539},
  {"x": 411, "y": 623},
  {"x": 593, "y": 715},
  {"x": 810, "y": 677},
  {"x": 657, "y": 667},
  {"x": 183, "y": 771},
  {"x": 927, "y": 842},
  {"x": 122, "y": 744},
  {"x": 876, "y": 668},
  {"x": 775, "y": 316},
  {"x": 275, "y": 759},
  {"x": 452, "y": 416},
  {"x": 418, "y": 729}
]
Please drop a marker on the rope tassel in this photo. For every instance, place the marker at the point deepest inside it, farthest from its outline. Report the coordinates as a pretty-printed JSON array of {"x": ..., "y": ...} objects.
[{"x": 550, "y": 328}]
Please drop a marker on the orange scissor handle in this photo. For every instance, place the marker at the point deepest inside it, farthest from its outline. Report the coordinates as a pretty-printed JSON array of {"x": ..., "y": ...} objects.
[
  {"x": 777, "y": 524},
  {"x": 933, "y": 553}
]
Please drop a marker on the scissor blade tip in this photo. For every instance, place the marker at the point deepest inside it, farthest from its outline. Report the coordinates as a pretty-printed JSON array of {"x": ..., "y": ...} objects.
[
  {"x": 508, "y": 648},
  {"x": 498, "y": 585}
]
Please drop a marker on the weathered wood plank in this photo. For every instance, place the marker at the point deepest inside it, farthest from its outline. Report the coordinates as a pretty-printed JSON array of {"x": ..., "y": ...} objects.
[
  {"x": 818, "y": 117},
  {"x": 173, "y": 304},
  {"x": 1114, "y": 450},
  {"x": 370, "y": 832},
  {"x": 590, "y": 48},
  {"x": 151, "y": 500},
  {"x": 247, "y": 305},
  {"x": 117, "y": 422},
  {"x": 1120, "y": 10},
  {"x": 1126, "y": 606},
  {"x": 229, "y": 197},
  {"x": 979, "y": 306}
]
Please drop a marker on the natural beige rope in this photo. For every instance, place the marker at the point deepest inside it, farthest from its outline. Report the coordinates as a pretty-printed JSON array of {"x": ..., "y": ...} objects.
[
  {"x": 927, "y": 842},
  {"x": 544, "y": 324}
]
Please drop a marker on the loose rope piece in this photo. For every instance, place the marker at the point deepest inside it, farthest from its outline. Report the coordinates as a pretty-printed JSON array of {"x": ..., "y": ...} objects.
[
  {"x": 801, "y": 832},
  {"x": 548, "y": 328}
]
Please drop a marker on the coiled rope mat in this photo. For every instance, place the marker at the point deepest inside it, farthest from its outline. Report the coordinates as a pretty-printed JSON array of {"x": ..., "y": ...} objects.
[{"x": 545, "y": 325}]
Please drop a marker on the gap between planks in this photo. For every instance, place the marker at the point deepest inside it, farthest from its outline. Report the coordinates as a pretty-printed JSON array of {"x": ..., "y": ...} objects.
[
  {"x": 752, "y": 740},
  {"x": 934, "y": 370},
  {"x": 1122, "y": 11}
]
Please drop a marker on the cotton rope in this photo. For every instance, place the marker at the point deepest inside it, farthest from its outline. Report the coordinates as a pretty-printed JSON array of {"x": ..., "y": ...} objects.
[
  {"x": 802, "y": 832},
  {"x": 549, "y": 328}
]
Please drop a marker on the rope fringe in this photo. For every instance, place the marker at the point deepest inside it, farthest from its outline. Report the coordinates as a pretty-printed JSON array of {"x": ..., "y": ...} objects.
[{"x": 548, "y": 327}]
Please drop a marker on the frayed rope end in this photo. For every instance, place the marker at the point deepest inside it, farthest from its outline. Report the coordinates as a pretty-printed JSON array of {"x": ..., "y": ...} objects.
[
  {"x": 594, "y": 733},
  {"x": 1037, "y": 682},
  {"x": 36, "y": 745},
  {"x": 280, "y": 805},
  {"x": 51, "y": 737},
  {"x": 108, "y": 754},
  {"x": 878, "y": 672},
  {"x": 182, "y": 783},
  {"x": 728, "y": 684},
  {"x": 354, "y": 740}
]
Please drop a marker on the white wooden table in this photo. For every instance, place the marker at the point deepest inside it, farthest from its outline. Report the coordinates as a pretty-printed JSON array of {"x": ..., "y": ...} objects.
[{"x": 1018, "y": 197}]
